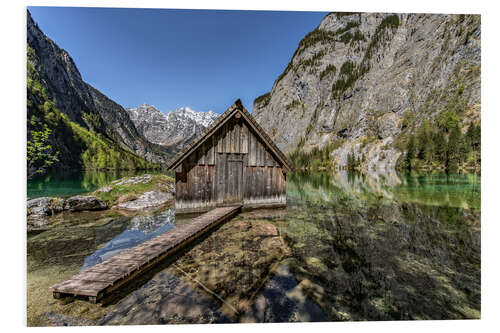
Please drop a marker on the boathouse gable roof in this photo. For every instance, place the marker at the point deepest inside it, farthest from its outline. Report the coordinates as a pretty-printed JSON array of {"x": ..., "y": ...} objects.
[{"x": 237, "y": 107}]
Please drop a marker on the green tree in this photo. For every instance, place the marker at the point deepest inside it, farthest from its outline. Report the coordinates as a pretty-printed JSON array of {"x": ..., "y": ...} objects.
[
  {"x": 464, "y": 147},
  {"x": 39, "y": 152},
  {"x": 448, "y": 120},
  {"x": 453, "y": 151},
  {"x": 441, "y": 146},
  {"x": 411, "y": 152},
  {"x": 474, "y": 136},
  {"x": 351, "y": 161},
  {"x": 425, "y": 144}
]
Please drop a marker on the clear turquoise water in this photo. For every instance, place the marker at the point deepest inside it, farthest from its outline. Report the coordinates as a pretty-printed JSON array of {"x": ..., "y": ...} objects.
[
  {"x": 461, "y": 191},
  {"x": 360, "y": 247},
  {"x": 65, "y": 184}
]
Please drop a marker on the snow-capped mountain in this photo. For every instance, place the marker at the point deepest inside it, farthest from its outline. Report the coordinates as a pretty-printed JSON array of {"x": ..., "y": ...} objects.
[{"x": 174, "y": 129}]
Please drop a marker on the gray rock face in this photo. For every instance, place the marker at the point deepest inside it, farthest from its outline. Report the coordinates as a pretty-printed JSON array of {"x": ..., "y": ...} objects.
[
  {"x": 174, "y": 129},
  {"x": 388, "y": 125},
  {"x": 81, "y": 102},
  {"x": 379, "y": 155},
  {"x": 84, "y": 202},
  {"x": 147, "y": 200},
  {"x": 356, "y": 76}
]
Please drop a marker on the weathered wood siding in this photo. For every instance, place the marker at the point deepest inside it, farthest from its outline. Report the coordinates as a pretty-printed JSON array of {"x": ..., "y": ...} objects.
[{"x": 232, "y": 166}]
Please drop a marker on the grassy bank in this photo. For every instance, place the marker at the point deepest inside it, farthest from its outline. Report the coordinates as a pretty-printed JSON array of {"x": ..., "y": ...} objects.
[{"x": 127, "y": 189}]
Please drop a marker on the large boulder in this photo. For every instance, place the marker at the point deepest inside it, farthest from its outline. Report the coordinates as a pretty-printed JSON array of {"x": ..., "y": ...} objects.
[
  {"x": 44, "y": 206},
  {"x": 147, "y": 200},
  {"x": 84, "y": 202}
]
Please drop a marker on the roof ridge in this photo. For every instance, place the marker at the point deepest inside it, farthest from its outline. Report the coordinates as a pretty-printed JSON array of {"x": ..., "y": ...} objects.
[{"x": 237, "y": 105}]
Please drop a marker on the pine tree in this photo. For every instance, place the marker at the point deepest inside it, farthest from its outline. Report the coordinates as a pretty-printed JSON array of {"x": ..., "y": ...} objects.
[
  {"x": 424, "y": 142},
  {"x": 477, "y": 138},
  {"x": 411, "y": 151},
  {"x": 351, "y": 161},
  {"x": 464, "y": 147},
  {"x": 453, "y": 151},
  {"x": 441, "y": 146}
]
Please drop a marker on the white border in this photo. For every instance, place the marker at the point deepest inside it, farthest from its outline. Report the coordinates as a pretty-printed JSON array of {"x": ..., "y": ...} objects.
[{"x": 13, "y": 119}]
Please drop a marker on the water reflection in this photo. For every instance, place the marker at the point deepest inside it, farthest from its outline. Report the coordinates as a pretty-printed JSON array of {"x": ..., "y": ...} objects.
[
  {"x": 463, "y": 191},
  {"x": 347, "y": 247},
  {"x": 140, "y": 229},
  {"x": 71, "y": 183},
  {"x": 385, "y": 248}
]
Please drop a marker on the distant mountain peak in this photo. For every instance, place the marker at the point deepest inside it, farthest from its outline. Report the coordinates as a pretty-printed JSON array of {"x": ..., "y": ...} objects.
[
  {"x": 149, "y": 106},
  {"x": 174, "y": 129}
]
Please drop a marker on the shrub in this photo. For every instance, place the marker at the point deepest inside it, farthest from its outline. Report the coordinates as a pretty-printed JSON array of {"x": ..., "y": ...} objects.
[
  {"x": 329, "y": 69},
  {"x": 294, "y": 104},
  {"x": 316, "y": 158},
  {"x": 263, "y": 99}
]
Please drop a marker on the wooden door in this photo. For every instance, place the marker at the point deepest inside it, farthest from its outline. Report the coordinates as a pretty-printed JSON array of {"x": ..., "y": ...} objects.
[
  {"x": 234, "y": 192},
  {"x": 229, "y": 174}
]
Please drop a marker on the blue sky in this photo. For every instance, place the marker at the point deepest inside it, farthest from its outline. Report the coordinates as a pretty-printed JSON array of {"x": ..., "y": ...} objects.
[{"x": 204, "y": 59}]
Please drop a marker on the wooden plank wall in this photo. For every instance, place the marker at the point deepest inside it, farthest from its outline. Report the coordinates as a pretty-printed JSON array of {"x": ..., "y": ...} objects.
[
  {"x": 195, "y": 188},
  {"x": 265, "y": 185},
  {"x": 204, "y": 178}
]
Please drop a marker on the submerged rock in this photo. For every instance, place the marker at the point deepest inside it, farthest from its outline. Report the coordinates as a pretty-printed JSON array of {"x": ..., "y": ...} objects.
[
  {"x": 147, "y": 200},
  {"x": 234, "y": 261},
  {"x": 84, "y": 202},
  {"x": 40, "y": 210},
  {"x": 57, "y": 319}
]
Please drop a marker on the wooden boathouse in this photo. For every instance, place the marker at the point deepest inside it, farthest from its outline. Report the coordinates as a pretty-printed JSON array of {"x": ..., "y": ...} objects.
[
  {"x": 232, "y": 165},
  {"x": 233, "y": 162}
]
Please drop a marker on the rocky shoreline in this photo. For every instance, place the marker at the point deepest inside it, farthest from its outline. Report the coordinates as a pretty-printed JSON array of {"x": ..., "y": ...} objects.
[{"x": 132, "y": 194}]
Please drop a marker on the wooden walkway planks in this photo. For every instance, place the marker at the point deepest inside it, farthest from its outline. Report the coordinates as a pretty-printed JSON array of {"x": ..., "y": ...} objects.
[{"x": 107, "y": 276}]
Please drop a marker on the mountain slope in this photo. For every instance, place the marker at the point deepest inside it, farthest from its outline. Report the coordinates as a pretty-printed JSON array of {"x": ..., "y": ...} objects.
[
  {"x": 55, "y": 79},
  {"x": 173, "y": 130},
  {"x": 357, "y": 79}
]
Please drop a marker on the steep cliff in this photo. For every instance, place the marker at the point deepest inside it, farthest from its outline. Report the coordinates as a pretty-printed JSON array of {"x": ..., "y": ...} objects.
[
  {"x": 357, "y": 80},
  {"x": 174, "y": 129},
  {"x": 56, "y": 86}
]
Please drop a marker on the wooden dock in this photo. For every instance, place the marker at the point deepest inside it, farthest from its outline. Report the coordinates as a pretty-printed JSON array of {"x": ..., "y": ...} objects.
[{"x": 109, "y": 275}]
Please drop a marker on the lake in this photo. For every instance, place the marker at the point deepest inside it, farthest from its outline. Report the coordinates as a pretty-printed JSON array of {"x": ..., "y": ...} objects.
[
  {"x": 68, "y": 183},
  {"x": 347, "y": 247}
]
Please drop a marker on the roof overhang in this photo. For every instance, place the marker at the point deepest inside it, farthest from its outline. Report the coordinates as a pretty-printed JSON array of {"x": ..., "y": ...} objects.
[{"x": 239, "y": 110}]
